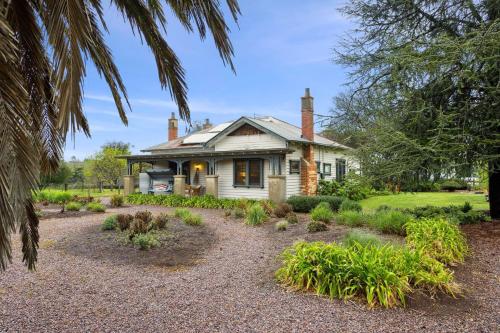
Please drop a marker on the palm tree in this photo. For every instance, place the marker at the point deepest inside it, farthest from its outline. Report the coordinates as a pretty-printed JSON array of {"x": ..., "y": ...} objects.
[{"x": 44, "y": 45}]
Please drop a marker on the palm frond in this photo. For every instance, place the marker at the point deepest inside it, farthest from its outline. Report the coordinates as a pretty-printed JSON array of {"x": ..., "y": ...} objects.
[{"x": 41, "y": 98}]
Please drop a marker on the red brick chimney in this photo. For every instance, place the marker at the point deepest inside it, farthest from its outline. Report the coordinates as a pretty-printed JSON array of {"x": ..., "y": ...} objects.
[
  {"x": 308, "y": 172},
  {"x": 307, "y": 116},
  {"x": 173, "y": 127}
]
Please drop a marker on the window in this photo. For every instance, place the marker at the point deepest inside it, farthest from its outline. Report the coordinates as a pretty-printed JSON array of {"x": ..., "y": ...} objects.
[
  {"x": 340, "y": 169},
  {"x": 294, "y": 166},
  {"x": 318, "y": 166},
  {"x": 327, "y": 169},
  {"x": 248, "y": 173}
]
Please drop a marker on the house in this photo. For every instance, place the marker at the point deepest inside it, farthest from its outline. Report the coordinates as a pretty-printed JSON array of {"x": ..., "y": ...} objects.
[{"x": 258, "y": 158}]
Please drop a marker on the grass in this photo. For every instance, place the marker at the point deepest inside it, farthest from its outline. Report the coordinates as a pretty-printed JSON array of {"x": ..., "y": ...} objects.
[
  {"x": 84, "y": 193},
  {"x": 362, "y": 237},
  {"x": 383, "y": 275},
  {"x": 96, "y": 207},
  {"x": 412, "y": 200},
  {"x": 390, "y": 222},
  {"x": 352, "y": 218},
  {"x": 256, "y": 215},
  {"x": 438, "y": 239},
  {"x": 322, "y": 212}
]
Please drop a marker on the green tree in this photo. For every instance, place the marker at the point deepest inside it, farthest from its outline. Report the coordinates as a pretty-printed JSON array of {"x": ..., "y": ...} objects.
[
  {"x": 45, "y": 46},
  {"x": 108, "y": 169},
  {"x": 77, "y": 176},
  {"x": 431, "y": 71},
  {"x": 60, "y": 177}
]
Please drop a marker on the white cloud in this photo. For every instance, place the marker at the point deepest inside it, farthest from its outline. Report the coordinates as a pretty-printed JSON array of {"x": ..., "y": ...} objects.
[{"x": 196, "y": 106}]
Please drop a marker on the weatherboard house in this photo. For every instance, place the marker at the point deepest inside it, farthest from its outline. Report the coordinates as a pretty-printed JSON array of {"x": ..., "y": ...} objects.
[{"x": 258, "y": 158}]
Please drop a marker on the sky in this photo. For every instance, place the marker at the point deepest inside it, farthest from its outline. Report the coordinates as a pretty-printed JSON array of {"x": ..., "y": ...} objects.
[{"x": 281, "y": 47}]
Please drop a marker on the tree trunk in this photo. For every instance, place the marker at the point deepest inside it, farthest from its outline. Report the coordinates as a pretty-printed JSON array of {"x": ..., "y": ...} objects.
[{"x": 494, "y": 189}]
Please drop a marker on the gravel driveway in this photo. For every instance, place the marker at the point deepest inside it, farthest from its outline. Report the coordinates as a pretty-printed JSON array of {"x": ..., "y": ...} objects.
[{"x": 228, "y": 287}]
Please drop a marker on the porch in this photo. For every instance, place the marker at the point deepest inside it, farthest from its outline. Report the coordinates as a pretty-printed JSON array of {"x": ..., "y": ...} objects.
[{"x": 256, "y": 174}]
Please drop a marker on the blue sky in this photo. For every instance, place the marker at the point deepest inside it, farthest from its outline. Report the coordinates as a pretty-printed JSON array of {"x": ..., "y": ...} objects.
[{"x": 281, "y": 47}]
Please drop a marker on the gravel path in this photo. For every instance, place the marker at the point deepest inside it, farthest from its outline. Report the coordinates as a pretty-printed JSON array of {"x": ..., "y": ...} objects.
[{"x": 229, "y": 289}]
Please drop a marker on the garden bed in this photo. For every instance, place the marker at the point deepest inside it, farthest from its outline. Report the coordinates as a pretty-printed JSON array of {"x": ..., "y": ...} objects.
[{"x": 87, "y": 282}]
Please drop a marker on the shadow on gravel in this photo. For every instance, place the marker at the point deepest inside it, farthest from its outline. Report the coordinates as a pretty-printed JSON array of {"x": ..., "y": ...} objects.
[{"x": 185, "y": 246}]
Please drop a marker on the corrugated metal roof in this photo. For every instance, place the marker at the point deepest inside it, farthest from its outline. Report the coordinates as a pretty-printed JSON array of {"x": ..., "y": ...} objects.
[{"x": 281, "y": 128}]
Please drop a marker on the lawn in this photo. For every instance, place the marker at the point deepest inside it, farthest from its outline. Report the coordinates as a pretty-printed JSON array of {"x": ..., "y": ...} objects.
[{"x": 410, "y": 200}]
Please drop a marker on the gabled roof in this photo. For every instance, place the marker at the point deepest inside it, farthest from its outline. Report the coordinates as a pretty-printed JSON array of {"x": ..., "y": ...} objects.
[{"x": 208, "y": 137}]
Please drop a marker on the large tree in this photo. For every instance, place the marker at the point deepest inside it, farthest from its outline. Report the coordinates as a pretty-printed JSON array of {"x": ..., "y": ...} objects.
[
  {"x": 44, "y": 48},
  {"x": 431, "y": 72}
]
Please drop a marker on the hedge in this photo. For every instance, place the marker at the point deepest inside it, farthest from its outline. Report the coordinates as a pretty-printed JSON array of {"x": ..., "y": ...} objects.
[
  {"x": 304, "y": 204},
  {"x": 173, "y": 200}
]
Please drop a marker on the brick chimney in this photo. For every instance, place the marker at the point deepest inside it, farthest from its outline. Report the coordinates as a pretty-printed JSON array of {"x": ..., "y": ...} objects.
[
  {"x": 207, "y": 124},
  {"x": 173, "y": 127},
  {"x": 308, "y": 172},
  {"x": 307, "y": 116}
]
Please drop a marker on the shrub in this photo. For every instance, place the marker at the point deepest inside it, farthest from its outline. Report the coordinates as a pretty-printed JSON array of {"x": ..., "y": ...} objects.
[
  {"x": 181, "y": 213},
  {"x": 73, "y": 206},
  {"x": 282, "y": 210},
  {"x": 383, "y": 208},
  {"x": 160, "y": 221},
  {"x": 109, "y": 223},
  {"x": 452, "y": 185},
  {"x": 437, "y": 238},
  {"x": 146, "y": 241},
  {"x": 361, "y": 237},
  {"x": 193, "y": 219},
  {"x": 173, "y": 200},
  {"x": 255, "y": 215},
  {"x": 390, "y": 221},
  {"x": 354, "y": 187},
  {"x": 52, "y": 196},
  {"x": 316, "y": 226},
  {"x": 123, "y": 221},
  {"x": 144, "y": 215},
  {"x": 466, "y": 207},
  {"x": 292, "y": 218},
  {"x": 382, "y": 275},
  {"x": 227, "y": 212},
  {"x": 96, "y": 207},
  {"x": 238, "y": 213},
  {"x": 351, "y": 218},
  {"x": 281, "y": 225},
  {"x": 350, "y": 205},
  {"x": 116, "y": 200},
  {"x": 459, "y": 214},
  {"x": 322, "y": 213},
  {"x": 304, "y": 204},
  {"x": 267, "y": 206},
  {"x": 83, "y": 200},
  {"x": 138, "y": 226},
  {"x": 470, "y": 217}
]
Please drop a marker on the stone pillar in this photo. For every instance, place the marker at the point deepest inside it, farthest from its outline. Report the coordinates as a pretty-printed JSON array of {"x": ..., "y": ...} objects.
[
  {"x": 212, "y": 185},
  {"x": 180, "y": 185},
  {"x": 128, "y": 184},
  {"x": 277, "y": 188}
]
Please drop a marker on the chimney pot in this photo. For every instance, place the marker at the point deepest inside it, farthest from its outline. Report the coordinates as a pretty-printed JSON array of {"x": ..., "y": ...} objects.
[{"x": 173, "y": 127}]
